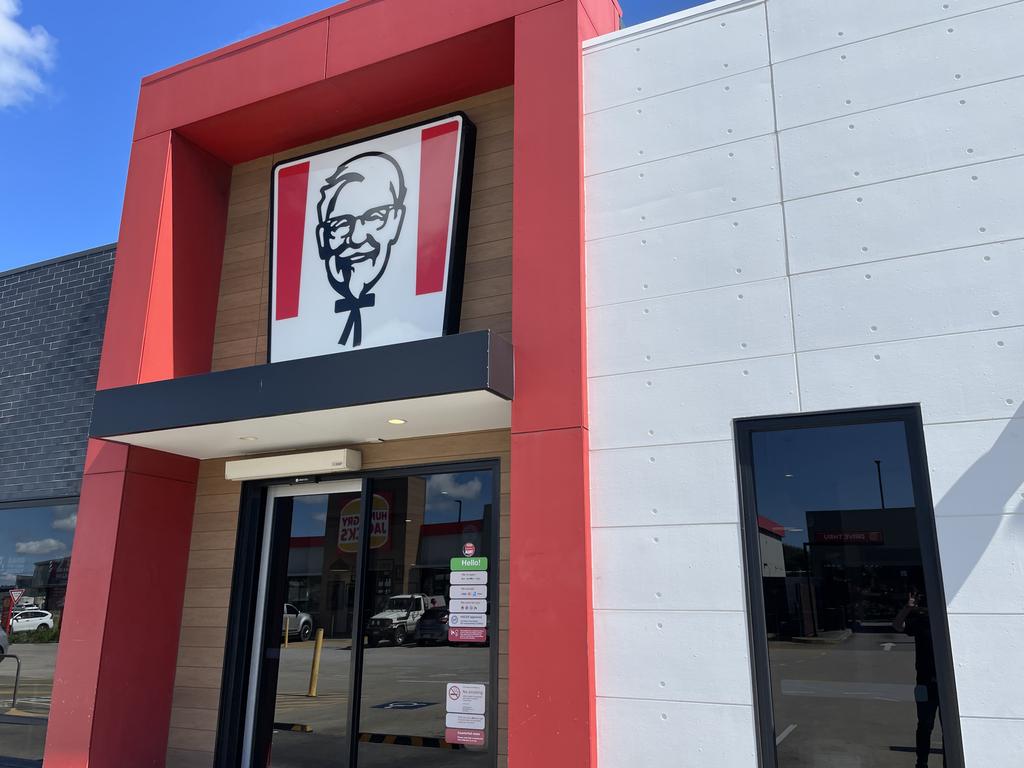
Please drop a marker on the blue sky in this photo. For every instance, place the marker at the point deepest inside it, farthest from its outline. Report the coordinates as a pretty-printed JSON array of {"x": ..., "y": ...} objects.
[{"x": 69, "y": 79}]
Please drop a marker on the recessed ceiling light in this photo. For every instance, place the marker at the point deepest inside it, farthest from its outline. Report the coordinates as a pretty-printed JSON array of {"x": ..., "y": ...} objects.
[
  {"x": 396, "y": 422},
  {"x": 249, "y": 438}
]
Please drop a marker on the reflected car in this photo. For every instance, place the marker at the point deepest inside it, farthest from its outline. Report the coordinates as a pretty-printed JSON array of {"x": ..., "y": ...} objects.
[
  {"x": 397, "y": 622},
  {"x": 4, "y": 644},
  {"x": 432, "y": 628},
  {"x": 32, "y": 619},
  {"x": 298, "y": 623}
]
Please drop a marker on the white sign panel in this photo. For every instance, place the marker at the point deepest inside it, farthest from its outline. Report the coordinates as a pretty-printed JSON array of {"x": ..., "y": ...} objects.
[
  {"x": 368, "y": 239},
  {"x": 467, "y": 592},
  {"x": 476, "y": 722},
  {"x": 467, "y": 698},
  {"x": 467, "y": 620},
  {"x": 469, "y": 577},
  {"x": 467, "y": 606}
]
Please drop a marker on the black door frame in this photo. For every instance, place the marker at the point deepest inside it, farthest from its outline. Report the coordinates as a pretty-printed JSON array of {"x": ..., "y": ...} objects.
[
  {"x": 910, "y": 416},
  {"x": 244, "y": 607}
]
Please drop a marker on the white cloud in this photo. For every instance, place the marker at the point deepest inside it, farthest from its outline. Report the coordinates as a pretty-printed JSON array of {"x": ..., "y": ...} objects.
[
  {"x": 42, "y": 546},
  {"x": 320, "y": 516},
  {"x": 66, "y": 523},
  {"x": 24, "y": 54},
  {"x": 447, "y": 485}
]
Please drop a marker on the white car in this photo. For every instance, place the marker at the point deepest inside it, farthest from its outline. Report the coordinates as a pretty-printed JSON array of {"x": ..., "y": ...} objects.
[
  {"x": 27, "y": 620},
  {"x": 397, "y": 622}
]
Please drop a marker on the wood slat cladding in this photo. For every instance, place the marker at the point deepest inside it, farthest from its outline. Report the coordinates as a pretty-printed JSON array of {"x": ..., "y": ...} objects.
[
  {"x": 208, "y": 585},
  {"x": 241, "y": 330}
]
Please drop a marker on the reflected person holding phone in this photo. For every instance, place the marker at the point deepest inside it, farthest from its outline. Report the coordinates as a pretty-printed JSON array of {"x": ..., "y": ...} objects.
[{"x": 913, "y": 620}]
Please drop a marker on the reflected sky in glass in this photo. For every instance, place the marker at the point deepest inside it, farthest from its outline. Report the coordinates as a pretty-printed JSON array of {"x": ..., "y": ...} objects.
[
  {"x": 829, "y": 468},
  {"x": 29, "y": 535}
]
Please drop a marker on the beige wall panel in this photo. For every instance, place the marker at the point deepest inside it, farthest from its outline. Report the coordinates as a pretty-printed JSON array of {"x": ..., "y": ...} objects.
[
  {"x": 182, "y": 758},
  {"x": 203, "y": 637},
  {"x": 209, "y": 577},
  {"x": 196, "y": 698}
]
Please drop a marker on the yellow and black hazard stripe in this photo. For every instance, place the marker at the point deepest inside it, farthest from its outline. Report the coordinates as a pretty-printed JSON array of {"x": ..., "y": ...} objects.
[
  {"x": 297, "y": 727},
  {"x": 407, "y": 741}
]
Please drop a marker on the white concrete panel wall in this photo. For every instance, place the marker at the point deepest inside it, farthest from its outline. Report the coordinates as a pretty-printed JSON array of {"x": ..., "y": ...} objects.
[{"x": 798, "y": 205}]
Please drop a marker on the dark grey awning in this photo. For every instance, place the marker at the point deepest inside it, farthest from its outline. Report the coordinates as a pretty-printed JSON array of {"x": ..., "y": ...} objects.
[{"x": 457, "y": 383}]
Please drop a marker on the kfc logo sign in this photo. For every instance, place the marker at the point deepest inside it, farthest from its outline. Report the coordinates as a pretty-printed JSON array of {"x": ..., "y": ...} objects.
[{"x": 368, "y": 241}]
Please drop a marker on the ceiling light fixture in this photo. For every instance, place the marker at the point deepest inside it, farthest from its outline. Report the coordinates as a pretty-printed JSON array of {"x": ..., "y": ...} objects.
[
  {"x": 249, "y": 438},
  {"x": 396, "y": 422}
]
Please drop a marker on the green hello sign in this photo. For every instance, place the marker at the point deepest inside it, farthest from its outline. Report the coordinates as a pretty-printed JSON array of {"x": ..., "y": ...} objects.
[{"x": 469, "y": 563}]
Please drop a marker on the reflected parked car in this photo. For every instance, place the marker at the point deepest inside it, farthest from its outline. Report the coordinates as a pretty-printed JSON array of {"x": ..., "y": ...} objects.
[
  {"x": 397, "y": 621},
  {"x": 26, "y": 621},
  {"x": 432, "y": 628},
  {"x": 298, "y": 623}
]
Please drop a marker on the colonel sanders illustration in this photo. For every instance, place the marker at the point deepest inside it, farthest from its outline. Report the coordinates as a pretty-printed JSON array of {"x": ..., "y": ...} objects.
[{"x": 360, "y": 215}]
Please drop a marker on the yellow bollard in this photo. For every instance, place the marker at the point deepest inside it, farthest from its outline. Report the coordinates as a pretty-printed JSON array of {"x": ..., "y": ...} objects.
[
  {"x": 314, "y": 673},
  {"x": 287, "y": 628}
]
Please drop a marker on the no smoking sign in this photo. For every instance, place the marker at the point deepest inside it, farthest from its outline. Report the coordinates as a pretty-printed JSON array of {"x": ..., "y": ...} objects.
[{"x": 466, "y": 698}]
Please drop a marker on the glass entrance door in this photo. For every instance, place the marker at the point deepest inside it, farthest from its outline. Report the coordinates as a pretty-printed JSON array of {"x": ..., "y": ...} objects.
[
  {"x": 375, "y": 636},
  {"x": 426, "y": 699},
  {"x": 311, "y": 543}
]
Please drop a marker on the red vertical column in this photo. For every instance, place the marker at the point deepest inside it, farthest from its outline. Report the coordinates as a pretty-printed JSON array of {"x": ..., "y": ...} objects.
[
  {"x": 551, "y": 684},
  {"x": 119, "y": 634}
]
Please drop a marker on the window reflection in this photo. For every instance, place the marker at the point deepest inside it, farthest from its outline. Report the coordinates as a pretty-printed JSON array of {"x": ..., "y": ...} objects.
[
  {"x": 315, "y": 594},
  {"x": 35, "y": 555},
  {"x": 852, "y": 666},
  {"x": 426, "y": 625},
  {"x": 415, "y": 652}
]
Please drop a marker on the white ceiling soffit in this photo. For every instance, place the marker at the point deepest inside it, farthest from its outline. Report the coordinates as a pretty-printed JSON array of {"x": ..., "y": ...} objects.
[{"x": 438, "y": 415}]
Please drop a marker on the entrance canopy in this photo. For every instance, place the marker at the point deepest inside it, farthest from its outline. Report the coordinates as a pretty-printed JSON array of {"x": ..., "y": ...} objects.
[{"x": 457, "y": 383}]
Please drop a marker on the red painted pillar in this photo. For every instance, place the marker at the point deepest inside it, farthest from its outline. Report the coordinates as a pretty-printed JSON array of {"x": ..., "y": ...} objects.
[
  {"x": 116, "y": 662},
  {"x": 551, "y": 651},
  {"x": 119, "y": 635}
]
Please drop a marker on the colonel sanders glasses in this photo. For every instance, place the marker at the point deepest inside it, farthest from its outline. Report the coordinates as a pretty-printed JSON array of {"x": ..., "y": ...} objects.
[{"x": 337, "y": 231}]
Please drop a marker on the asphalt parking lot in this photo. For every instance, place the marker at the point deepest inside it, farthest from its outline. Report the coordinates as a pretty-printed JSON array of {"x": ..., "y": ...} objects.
[
  {"x": 847, "y": 705},
  {"x": 23, "y": 727},
  {"x": 403, "y": 694}
]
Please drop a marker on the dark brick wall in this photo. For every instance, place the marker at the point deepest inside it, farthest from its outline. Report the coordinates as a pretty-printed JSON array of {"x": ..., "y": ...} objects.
[{"x": 51, "y": 332}]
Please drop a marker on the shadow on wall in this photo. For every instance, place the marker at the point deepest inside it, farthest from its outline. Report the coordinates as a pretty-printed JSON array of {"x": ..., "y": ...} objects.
[{"x": 976, "y": 511}]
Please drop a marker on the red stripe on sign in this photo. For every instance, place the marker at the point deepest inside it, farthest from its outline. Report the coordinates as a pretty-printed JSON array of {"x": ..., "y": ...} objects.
[
  {"x": 292, "y": 183},
  {"x": 437, "y": 170}
]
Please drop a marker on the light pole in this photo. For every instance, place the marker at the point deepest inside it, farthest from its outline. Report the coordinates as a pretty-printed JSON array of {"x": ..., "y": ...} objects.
[
  {"x": 457, "y": 501},
  {"x": 881, "y": 490}
]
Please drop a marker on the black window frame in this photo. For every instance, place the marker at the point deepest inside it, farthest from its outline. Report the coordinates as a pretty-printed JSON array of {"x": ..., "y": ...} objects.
[
  {"x": 910, "y": 415},
  {"x": 243, "y": 606}
]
